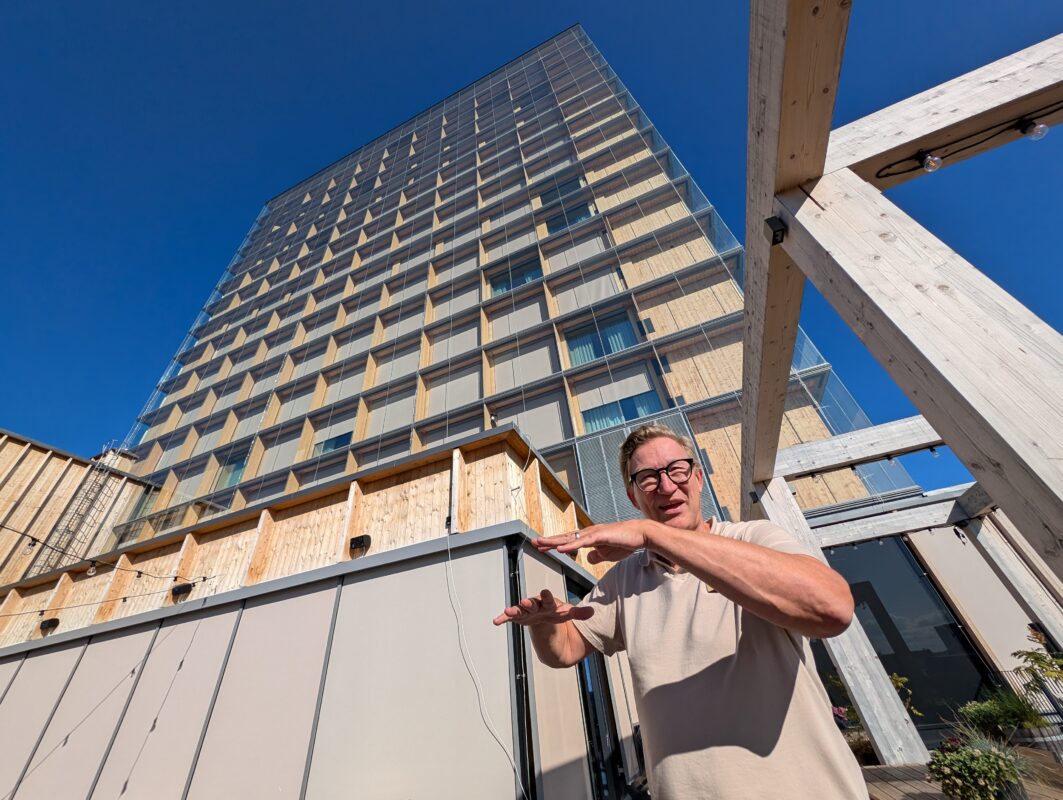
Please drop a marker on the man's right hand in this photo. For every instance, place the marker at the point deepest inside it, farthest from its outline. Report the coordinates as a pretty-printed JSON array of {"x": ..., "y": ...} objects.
[{"x": 542, "y": 609}]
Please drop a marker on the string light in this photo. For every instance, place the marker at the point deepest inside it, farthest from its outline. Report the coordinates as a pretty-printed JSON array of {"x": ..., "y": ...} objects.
[
  {"x": 93, "y": 564},
  {"x": 929, "y": 162},
  {"x": 1027, "y": 125},
  {"x": 1032, "y": 130},
  {"x": 52, "y": 609}
]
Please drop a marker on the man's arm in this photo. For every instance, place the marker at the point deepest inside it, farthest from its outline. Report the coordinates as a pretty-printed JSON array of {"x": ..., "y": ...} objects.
[
  {"x": 797, "y": 592},
  {"x": 556, "y": 641}
]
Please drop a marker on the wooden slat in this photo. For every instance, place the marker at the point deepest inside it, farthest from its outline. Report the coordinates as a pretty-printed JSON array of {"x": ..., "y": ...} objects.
[
  {"x": 1015, "y": 573},
  {"x": 885, "y": 719},
  {"x": 858, "y": 447},
  {"x": 892, "y": 523},
  {"x": 962, "y": 110},
  {"x": 795, "y": 53},
  {"x": 984, "y": 370}
]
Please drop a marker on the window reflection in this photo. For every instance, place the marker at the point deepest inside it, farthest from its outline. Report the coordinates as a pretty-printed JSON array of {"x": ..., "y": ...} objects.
[{"x": 912, "y": 630}]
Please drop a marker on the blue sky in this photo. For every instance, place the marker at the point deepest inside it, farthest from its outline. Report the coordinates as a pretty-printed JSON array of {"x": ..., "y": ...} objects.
[{"x": 138, "y": 142}]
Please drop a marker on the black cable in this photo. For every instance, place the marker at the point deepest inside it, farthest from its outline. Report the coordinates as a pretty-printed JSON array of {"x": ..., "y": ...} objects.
[
  {"x": 123, "y": 598},
  {"x": 94, "y": 562},
  {"x": 1010, "y": 125}
]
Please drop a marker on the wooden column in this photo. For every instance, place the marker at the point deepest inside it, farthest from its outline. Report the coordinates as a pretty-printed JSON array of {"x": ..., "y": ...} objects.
[
  {"x": 795, "y": 53},
  {"x": 984, "y": 370},
  {"x": 888, "y": 724}
]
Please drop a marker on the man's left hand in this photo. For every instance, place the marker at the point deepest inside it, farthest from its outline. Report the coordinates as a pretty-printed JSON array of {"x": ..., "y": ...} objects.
[{"x": 613, "y": 541}]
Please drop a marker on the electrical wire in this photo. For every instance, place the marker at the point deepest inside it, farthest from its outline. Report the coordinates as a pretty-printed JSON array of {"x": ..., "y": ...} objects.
[
  {"x": 42, "y": 611},
  {"x": 95, "y": 563},
  {"x": 1004, "y": 127}
]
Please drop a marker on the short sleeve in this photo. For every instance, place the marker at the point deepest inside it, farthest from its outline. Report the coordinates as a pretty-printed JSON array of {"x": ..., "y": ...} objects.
[
  {"x": 768, "y": 534},
  {"x": 603, "y": 631}
]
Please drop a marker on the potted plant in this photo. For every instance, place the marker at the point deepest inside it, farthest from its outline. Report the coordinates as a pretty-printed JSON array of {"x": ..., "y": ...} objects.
[
  {"x": 973, "y": 766},
  {"x": 1001, "y": 715}
]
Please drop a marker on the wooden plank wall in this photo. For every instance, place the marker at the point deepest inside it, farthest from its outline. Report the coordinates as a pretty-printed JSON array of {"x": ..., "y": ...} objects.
[
  {"x": 36, "y": 486},
  {"x": 719, "y": 433},
  {"x": 496, "y": 480},
  {"x": 688, "y": 302}
]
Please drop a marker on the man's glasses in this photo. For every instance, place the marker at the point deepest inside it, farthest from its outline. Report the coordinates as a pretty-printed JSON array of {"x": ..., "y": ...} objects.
[{"x": 679, "y": 471}]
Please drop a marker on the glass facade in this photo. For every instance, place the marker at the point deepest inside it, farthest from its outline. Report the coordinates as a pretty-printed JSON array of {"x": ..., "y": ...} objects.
[{"x": 533, "y": 224}]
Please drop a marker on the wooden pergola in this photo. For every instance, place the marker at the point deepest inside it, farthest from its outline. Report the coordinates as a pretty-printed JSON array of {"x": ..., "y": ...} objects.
[{"x": 984, "y": 371}]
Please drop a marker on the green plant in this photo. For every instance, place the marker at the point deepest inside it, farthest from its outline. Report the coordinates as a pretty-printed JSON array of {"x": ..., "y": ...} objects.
[
  {"x": 974, "y": 767},
  {"x": 1000, "y": 714},
  {"x": 1038, "y": 666},
  {"x": 900, "y": 685}
]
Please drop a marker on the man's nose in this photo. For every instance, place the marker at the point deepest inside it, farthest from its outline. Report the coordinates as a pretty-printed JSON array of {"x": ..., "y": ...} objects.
[{"x": 661, "y": 476}]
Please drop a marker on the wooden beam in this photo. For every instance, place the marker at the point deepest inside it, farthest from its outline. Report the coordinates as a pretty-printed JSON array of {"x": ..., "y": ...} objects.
[
  {"x": 795, "y": 53},
  {"x": 976, "y": 501},
  {"x": 888, "y": 725},
  {"x": 858, "y": 447},
  {"x": 982, "y": 368},
  {"x": 1014, "y": 573},
  {"x": 1047, "y": 573},
  {"x": 891, "y": 523},
  {"x": 953, "y": 115}
]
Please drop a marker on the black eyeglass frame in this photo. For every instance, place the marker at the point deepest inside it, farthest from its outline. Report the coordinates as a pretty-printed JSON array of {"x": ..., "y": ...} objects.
[{"x": 658, "y": 470}]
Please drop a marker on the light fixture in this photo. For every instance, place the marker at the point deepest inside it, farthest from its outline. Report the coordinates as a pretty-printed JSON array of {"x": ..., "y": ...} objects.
[
  {"x": 92, "y": 569},
  {"x": 49, "y": 624},
  {"x": 929, "y": 162},
  {"x": 361, "y": 542},
  {"x": 934, "y": 452},
  {"x": 180, "y": 590},
  {"x": 1033, "y": 130}
]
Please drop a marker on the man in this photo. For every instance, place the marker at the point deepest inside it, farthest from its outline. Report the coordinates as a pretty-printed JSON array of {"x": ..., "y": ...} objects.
[{"x": 714, "y": 617}]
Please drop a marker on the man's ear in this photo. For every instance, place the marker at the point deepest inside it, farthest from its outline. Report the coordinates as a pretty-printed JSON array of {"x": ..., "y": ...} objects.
[{"x": 631, "y": 495}]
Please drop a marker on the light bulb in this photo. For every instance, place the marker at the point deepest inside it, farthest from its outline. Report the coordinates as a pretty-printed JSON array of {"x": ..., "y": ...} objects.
[
  {"x": 30, "y": 545},
  {"x": 1034, "y": 131},
  {"x": 92, "y": 569},
  {"x": 934, "y": 452},
  {"x": 931, "y": 162}
]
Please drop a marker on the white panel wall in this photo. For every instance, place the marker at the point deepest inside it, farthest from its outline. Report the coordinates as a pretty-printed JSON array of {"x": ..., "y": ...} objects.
[
  {"x": 153, "y": 750},
  {"x": 399, "y": 716},
  {"x": 562, "y": 739},
  {"x": 27, "y": 705},
  {"x": 257, "y": 739},
  {"x": 69, "y": 754}
]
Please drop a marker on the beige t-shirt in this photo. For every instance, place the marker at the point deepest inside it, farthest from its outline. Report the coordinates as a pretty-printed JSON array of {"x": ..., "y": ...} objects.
[{"x": 730, "y": 705}]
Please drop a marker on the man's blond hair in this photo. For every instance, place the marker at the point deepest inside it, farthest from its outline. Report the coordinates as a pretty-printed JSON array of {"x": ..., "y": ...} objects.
[{"x": 646, "y": 433}]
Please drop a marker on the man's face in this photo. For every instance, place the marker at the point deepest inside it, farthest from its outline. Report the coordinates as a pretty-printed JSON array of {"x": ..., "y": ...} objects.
[{"x": 677, "y": 505}]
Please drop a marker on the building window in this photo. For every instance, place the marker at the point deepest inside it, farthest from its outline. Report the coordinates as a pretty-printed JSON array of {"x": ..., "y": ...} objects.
[
  {"x": 596, "y": 340},
  {"x": 559, "y": 191},
  {"x": 231, "y": 471},
  {"x": 617, "y": 395},
  {"x": 335, "y": 443},
  {"x": 625, "y": 410},
  {"x": 568, "y": 217},
  {"x": 515, "y": 276}
]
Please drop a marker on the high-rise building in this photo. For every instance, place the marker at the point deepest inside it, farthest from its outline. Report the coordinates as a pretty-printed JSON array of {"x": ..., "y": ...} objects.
[{"x": 528, "y": 250}]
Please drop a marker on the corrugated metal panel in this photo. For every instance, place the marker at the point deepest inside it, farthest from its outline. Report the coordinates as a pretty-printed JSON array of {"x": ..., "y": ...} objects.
[{"x": 603, "y": 487}]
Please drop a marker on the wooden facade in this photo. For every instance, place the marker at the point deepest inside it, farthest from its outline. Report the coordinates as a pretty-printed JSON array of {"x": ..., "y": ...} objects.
[{"x": 493, "y": 479}]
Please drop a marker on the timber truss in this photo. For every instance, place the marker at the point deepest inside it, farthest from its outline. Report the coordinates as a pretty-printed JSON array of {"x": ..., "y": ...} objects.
[{"x": 984, "y": 371}]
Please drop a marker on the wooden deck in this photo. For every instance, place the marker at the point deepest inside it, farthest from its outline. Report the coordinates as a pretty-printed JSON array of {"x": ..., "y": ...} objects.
[{"x": 900, "y": 783}]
